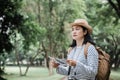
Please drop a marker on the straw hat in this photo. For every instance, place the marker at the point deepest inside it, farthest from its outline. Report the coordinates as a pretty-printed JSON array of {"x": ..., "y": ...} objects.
[{"x": 83, "y": 23}]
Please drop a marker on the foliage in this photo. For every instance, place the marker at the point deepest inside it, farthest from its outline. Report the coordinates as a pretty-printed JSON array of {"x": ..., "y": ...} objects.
[
  {"x": 58, "y": 12},
  {"x": 106, "y": 27},
  {"x": 32, "y": 32},
  {"x": 16, "y": 26},
  {"x": 10, "y": 19}
]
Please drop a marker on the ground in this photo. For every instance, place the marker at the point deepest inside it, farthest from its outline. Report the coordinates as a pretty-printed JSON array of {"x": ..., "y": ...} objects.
[{"x": 40, "y": 73}]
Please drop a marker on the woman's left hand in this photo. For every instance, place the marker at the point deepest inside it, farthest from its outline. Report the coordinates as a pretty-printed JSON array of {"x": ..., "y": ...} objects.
[{"x": 71, "y": 62}]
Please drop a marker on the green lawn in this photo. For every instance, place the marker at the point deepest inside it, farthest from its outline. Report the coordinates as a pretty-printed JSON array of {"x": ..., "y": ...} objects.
[
  {"x": 115, "y": 75},
  {"x": 38, "y": 73},
  {"x": 35, "y": 73}
]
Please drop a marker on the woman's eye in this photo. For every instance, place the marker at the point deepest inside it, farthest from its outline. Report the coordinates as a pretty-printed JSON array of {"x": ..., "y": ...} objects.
[{"x": 72, "y": 29}]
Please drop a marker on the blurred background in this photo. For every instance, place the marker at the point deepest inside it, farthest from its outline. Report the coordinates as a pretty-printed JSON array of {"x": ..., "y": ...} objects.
[{"x": 32, "y": 30}]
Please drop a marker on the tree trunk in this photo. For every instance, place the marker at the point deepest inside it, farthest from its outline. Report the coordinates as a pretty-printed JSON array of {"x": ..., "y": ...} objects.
[
  {"x": 1, "y": 78},
  {"x": 17, "y": 58},
  {"x": 1, "y": 73},
  {"x": 32, "y": 59}
]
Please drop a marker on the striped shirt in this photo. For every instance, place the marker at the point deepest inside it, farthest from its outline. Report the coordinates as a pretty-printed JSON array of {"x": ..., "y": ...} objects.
[{"x": 86, "y": 68}]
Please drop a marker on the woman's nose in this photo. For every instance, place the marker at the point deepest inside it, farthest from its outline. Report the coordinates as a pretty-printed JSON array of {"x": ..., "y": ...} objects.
[{"x": 74, "y": 32}]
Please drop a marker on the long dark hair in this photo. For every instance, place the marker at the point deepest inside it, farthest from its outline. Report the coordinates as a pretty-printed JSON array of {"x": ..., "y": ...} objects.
[{"x": 87, "y": 38}]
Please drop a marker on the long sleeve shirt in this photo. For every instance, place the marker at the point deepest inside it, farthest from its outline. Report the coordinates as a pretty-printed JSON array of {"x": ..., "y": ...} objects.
[{"x": 86, "y": 68}]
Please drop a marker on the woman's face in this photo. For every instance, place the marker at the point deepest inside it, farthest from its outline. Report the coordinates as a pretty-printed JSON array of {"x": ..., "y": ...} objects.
[{"x": 77, "y": 32}]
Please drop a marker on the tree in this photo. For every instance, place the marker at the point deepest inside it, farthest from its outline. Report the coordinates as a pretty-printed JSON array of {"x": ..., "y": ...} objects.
[
  {"x": 13, "y": 22},
  {"x": 105, "y": 23},
  {"x": 53, "y": 15},
  {"x": 10, "y": 19}
]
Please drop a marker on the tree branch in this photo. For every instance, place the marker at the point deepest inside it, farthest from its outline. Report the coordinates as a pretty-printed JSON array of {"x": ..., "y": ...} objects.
[
  {"x": 115, "y": 7},
  {"x": 118, "y": 1}
]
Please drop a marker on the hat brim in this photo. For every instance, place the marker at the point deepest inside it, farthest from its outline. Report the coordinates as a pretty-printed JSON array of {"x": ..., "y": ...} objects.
[{"x": 88, "y": 27}]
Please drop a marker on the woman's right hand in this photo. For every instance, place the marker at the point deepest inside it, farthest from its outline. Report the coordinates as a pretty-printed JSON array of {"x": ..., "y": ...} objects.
[
  {"x": 71, "y": 62},
  {"x": 55, "y": 65}
]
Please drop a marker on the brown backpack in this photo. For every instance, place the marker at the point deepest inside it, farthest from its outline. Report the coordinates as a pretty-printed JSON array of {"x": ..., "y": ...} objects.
[{"x": 103, "y": 65}]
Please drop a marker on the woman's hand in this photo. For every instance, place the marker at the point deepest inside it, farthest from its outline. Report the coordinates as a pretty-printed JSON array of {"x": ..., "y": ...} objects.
[
  {"x": 55, "y": 65},
  {"x": 71, "y": 62}
]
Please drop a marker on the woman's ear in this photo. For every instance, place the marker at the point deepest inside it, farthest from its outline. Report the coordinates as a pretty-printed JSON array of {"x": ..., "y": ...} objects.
[{"x": 85, "y": 32}]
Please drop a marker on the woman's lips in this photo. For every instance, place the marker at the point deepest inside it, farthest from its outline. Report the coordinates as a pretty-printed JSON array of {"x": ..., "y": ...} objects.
[{"x": 74, "y": 35}]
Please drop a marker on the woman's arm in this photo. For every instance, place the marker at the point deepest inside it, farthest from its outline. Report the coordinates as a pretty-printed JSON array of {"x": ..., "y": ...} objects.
[
  {"x": 61, "y": 69},
  {"x": 89, "y": 70}
]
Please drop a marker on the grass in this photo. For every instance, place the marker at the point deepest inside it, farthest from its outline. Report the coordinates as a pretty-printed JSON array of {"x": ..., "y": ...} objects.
[
  {"x": 40, "y": 73},
  {"x": 115, "y": 75},
  {"x": 34, "y": 73}
]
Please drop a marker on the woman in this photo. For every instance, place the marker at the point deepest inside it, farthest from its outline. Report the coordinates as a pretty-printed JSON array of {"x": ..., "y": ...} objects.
[{"x": 80, "y": 67}]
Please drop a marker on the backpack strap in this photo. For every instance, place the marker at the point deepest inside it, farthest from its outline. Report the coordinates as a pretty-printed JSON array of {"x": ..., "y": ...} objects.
[
  {"x": 86, "y": 49},
  {"x": 69, "y": 49}
]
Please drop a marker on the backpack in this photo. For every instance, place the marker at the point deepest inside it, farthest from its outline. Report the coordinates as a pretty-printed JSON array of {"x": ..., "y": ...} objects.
[{"x": 103, "y": 65}]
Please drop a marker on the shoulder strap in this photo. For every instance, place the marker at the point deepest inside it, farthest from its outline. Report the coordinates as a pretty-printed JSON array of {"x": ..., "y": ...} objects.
[
  {"x": 69, "y": 49},
  {"x": 86, "y": 48}
]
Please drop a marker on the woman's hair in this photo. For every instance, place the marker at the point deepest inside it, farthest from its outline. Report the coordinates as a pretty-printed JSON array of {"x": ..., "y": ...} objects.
[{"x": 87, "y": 38}]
